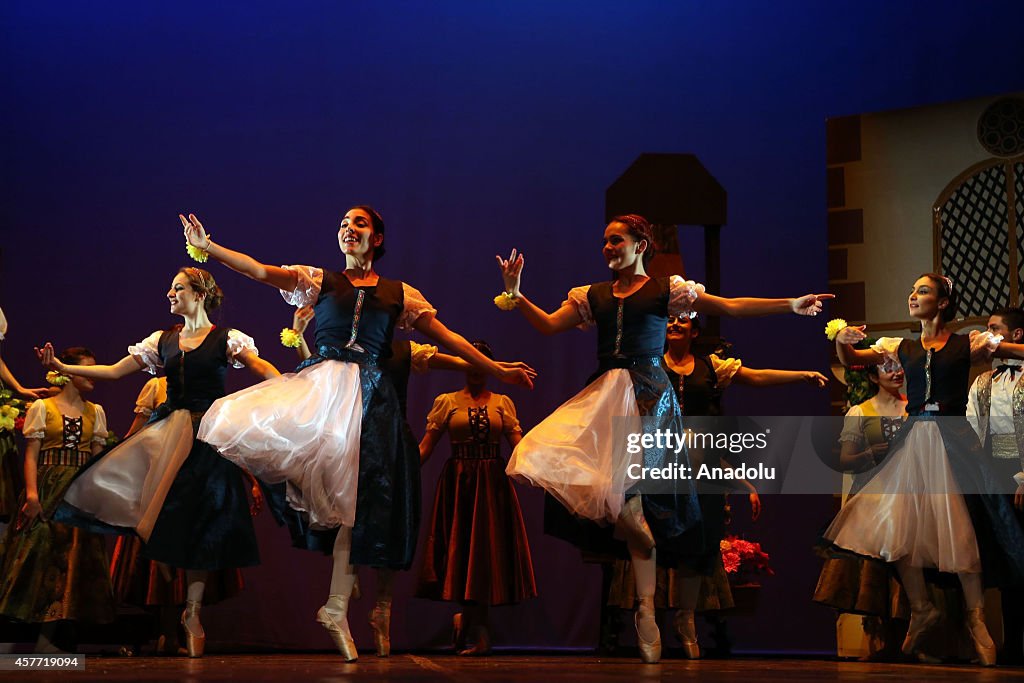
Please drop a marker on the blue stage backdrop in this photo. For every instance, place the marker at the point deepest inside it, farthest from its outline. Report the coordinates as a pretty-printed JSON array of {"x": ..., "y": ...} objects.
[{"x": 474, "y": 128}]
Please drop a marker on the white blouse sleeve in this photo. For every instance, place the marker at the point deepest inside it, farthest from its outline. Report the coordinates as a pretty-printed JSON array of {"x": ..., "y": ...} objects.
[
  {"x": 853, "y": 426},
  {"x": 725, "y": 369},
  {"x": 238, "y": 343},
  {"x": 577, "y": 296},
  {"x": 148, "y": 351},
  {"x": 415, "y": 306},
  {"x": 440, "y": 413},
  {"x": 421, "y": 355},
  {"x": 509, "y": 421},
  {"x": 35, "y": 421},
  {"x": 888, "y": 346},
  {"x": 99, "y": 425},
  {"x": 308, "y": 281},
  {"x": 682, "y": 294}
]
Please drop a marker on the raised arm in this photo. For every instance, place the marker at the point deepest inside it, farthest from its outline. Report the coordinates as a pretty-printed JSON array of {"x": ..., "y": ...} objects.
[
  {"x": 195, "y": 235},
  {"x": 744, "y": 307},
  {"x": 433, "y": 328},
  {"x": 565, "y": 318},
  {"x": 125, "y": 366}
]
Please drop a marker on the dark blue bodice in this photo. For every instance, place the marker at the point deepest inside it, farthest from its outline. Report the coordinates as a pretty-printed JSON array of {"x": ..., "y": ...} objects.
[
  {"x": 354, "y": 318},
  {"x": 634, "y": 326},
  {"x": 195, "y": 379},
  {"x": 937, "y": 377}
]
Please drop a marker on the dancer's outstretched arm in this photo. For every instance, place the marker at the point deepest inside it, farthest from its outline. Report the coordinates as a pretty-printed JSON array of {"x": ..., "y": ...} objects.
[
  {"x": 764, "y": 378},
  {"x": 125, "y": 366},
  {"x": 745, "y": 307},
  {"x": 195, "y": 235},
  {"x": 433, "y": 328}
]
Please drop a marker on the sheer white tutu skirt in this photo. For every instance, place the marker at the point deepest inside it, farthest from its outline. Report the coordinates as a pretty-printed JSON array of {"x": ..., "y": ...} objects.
[
  {"x": 128, "y": 485},
  {"x": 301, "y": 428},
  {"x": 912, "y": 508},
  {"x": 578, "y": 455}
]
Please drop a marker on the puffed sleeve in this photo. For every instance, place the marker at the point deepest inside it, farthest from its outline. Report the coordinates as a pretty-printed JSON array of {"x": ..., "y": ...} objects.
[
  {"x": 308, "y": 281},
  {"x": 148, "y": 351},
  {"x": 415, "y": 306},
  {"x": 682, "y": 294},
  {"x": 725, "y": 369},
  {"x": 35, "y": 421},
  {"x": 577, "y": 296},
  {"x": 421, "y": 355},
  {"x": 437, "y": 418},
  {"x": 888, "y": 346},
  {"x": 239, "y": 343},
  {"x": 853, "y": 426},
  {"x": 509, "y": 421},
  {"x": 147, "y": 400},
  {"x": 99, "y": 425}
]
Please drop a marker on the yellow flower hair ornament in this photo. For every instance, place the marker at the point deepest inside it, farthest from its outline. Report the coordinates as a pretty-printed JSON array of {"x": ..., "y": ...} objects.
[
  {"x": 834, "y": 327},
  {"x": 291, "y": 338},
  {"x": 505, "y": 301},
  {"x": 57, "y": 379}
]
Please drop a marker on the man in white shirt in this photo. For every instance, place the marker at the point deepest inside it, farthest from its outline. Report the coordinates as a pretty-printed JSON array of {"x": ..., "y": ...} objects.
[{"x": 995, "y": 408}]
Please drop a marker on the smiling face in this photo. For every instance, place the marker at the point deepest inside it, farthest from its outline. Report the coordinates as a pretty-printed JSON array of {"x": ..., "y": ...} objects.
[
  {"x": 355, "y": 234},
  {"x": 924, "y": 301},
  {"x": 184, "y": 300},
  {"x": 890, "y": 376},
  {"x": 621, "y": 250}
]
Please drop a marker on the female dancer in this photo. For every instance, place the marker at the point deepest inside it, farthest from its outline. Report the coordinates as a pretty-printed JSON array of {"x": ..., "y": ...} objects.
[
  {"x": 406, "y": 357},
  {"x": 572, "y": 454},
  {"x": 918, "y": 489},
  {"x": 699, "y": 381},
  {"x": 477, "y": 550},
  {"x": 184, "y": 501},
  {"x": 334, "y": 431},
  {"x": 51, "y": 572},
  {"x": 850, "y": 584},
  {"x": 153, "y": 585}
]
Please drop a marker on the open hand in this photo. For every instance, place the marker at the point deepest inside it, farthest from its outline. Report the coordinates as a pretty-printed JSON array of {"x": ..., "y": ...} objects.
[
  {"x": 48, "y": 358},
  {"x": 517, "y": 376},
  {"x": 518, "y": 365},
  {"x": 511, "y": 271},
  {"x": 812, "y": 377},
  {"x": 195, "y": 234},
  {"x": 852, "y": 335},
  {"x": 810, "y": 304}
]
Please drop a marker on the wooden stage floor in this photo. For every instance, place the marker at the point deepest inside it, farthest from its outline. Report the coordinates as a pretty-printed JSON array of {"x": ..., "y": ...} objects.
[{"x": 536, "y": 668}]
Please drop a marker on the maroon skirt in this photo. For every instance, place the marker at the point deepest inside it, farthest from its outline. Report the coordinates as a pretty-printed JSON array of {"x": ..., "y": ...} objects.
[
  {"x": 476, "y": 548},
  {"x": 141, "y": 582}
]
